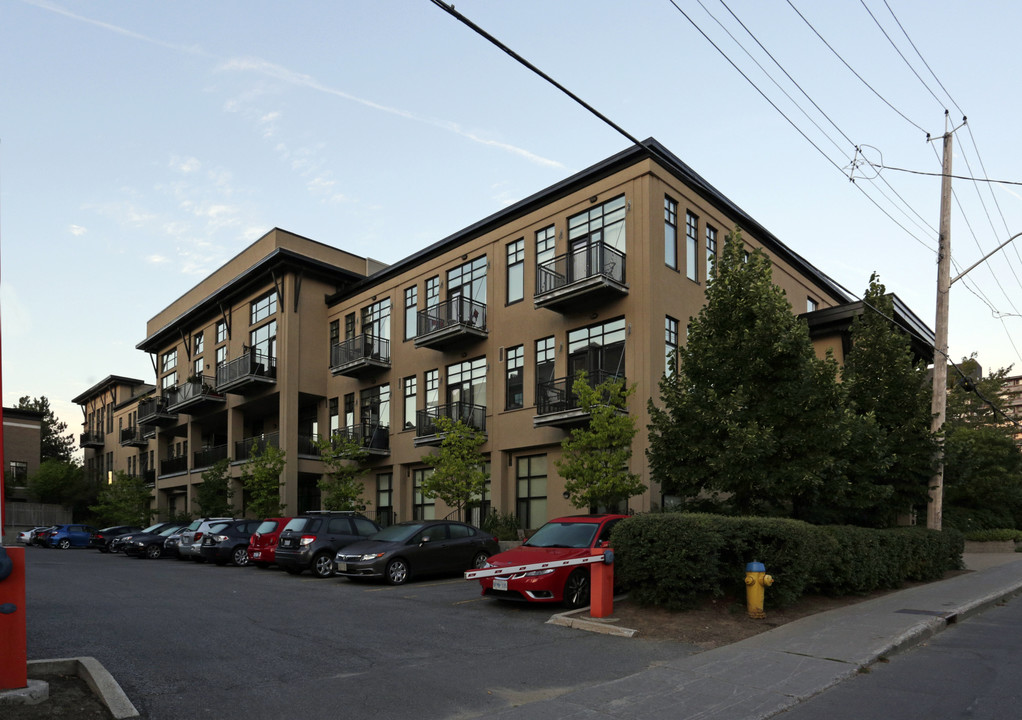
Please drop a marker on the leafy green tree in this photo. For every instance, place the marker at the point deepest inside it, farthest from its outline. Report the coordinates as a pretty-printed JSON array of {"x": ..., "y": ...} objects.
[
  {"x": 125, "y": 501},
  {"x": 893, "y": 460},
  {"x": 214, "y": 496},
  {"x": 594, "y": 459},
  {"x": 260, "y": 477},
  {"x": 459, "y": 475},
  {"x": 62, "y": 483},
  {"x": 752, "y": 422},
  {"x": 56, "y": 443},
  {"x": 340, "y": 487}
]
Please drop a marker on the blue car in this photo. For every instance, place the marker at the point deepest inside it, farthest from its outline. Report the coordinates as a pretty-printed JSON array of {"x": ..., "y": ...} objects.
[{"x": 66, "y": 536}]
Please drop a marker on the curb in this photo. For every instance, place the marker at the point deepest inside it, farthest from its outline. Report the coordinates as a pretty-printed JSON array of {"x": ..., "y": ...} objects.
[
  {"x": 95, "y": 676},
  {"x": 604, "y": 626}
]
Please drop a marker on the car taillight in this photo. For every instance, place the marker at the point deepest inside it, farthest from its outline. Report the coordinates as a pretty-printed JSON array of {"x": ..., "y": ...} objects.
[
  {"x": 198, "y": 536},
  {"x": 307, "y": 539},
  {"x": 219, "y": 538}
]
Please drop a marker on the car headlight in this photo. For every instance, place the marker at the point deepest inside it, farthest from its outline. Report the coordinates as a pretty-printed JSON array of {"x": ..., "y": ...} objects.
[
  {"x": 370, "y": 556},
  {"x": 536, "y": 573}
]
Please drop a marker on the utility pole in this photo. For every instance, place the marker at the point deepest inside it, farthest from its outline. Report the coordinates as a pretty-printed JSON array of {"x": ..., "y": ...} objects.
[{"x": 938, "y": 405}]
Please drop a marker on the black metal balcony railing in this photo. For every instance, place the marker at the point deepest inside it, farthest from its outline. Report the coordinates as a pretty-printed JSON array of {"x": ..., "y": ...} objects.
[
  {"x": 597, "y": 259},
  {"x": 134, "y": 436},
  {"x": 149, "y": 476},
  {"x": 251, "y": 367},
  {"x": 372, "y": 436},
  {"x": 90, "y": 438},
  {"x": 177, "y": 464},
  {"x": 209, "y": 456},
  {"x": 245, "y": 449},
  {"x": 191, "y": 393},
  {"x": 556, "y": 396},
  {"x": 472, "y": 415},
  {"x": 364, "y": 348},
  {"x": 308, "y": 445},
  {"x": 458, "y": 313}
]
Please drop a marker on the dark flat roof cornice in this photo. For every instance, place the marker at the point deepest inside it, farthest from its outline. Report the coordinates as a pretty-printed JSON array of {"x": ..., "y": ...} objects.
[{"x": 104, "y": 385}]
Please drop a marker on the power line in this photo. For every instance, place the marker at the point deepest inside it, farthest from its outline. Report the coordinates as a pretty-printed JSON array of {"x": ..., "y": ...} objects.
[{"x": 956, "y": 177}]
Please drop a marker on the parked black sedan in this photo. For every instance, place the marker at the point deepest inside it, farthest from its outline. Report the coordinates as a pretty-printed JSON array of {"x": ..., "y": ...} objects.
[
  {"x": 228, "y": 542},
  {"x": 102, "y": 539},
  {"x": 423, "y": 547},
  {"x": 149, "y": 545}
]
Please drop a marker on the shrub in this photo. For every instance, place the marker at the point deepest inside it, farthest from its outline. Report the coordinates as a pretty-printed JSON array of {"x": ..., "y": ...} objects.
[
  {"x": 1000, "y": 535},
  {"x": 503, "y": 525}
]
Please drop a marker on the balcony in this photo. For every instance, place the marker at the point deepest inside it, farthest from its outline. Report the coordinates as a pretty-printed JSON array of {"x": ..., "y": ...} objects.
[
  {"x": 251, "y": 372},
  {"x": 155, "y": 411},
  {"x": 426, "y": 431},
  {"x": 207, "y": 457},
  {"x": 194, "y": 396},
  {"x": 134, "y": 437},
  {"x": 245, "y": 449},
  {"x": 374, "y": 438},
  {"x": 453, "y": 322},
  {"x": 149, "y": 477},
  {"x": 90, "y": 439},
  {"x": 174, "y": 466},
  {"x": 360, "y": 356},
  {"x": 578, "y": 279},
  {"x": 557, "y": 404}
]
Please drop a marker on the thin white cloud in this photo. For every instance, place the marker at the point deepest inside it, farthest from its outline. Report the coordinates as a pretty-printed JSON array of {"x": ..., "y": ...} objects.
[
  {"x": 185, "y": 165},
  {"x": 157, "y": 259},
  {"x": 77, "y": 230}
]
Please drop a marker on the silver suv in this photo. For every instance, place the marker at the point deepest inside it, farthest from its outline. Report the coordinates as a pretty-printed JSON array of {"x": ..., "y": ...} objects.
[{"x": 191, "y": 537}]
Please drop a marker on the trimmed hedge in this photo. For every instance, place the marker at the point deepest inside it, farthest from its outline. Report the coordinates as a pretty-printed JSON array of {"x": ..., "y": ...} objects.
[
  {"x": 672, "y": 560},
  {"x": 1002, "y": 535}
]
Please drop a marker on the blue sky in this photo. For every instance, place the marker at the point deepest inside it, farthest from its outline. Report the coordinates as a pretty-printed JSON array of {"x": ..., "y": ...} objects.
[{"x": 144, "y": 144}]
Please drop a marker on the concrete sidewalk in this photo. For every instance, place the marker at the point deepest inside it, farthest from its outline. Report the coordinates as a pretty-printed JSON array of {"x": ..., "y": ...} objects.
[{"x": 765, "y": 674}]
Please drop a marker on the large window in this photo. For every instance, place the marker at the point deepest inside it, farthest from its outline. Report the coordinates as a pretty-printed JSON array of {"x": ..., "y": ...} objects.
[
  {"x": 411, "y": 308},
  {"x": 221, "y": 355},
  {"x": 422, "y": 507},
  {"x": 711, "y": 248},
  {"x": 432, "y": 389},
  {"x": 432, "y": 292},
  {"x": 376, "y": 319},
  {"x": 603, "y": 223},
  {"x": 168, "y": 361},
  {"x": 197, "y": 344},
  {"x": 334, "y": 414},
  {"x": 264, "y": 340},
  {"x": 374, "y": 406},
  {"x": 531, "y": 481},
  {"x": 466, "y": 382},
  {"x": 671, "y": 233},
  {"x": 515, "y": 271},
  {"x": 264, "y": 307},
  {"x": 468, "y": 280},
  {"x": 691, "y": 246},
  {"x": 598, "y": 349},
  {"x": 221, "y": 331},
  {"x": 167, "y": 383},
  {"x": 670, "y": 345},
  {"x": 514, "y": 382},
  {"x": 385, "y": 498},
  {"x": 544, "y": 361},
  {"x": 545, "y": 250},
  {"x": 410, "y": 388}
]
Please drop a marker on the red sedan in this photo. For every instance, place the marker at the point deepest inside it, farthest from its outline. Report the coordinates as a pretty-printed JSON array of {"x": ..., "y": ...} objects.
[
  {"x": 565, "y": 538},
  {"x": 262, "y": 546}
]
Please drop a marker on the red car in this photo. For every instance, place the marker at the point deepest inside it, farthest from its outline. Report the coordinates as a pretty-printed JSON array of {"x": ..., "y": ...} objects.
[
  {"x": 262, "y": 546},
  {"x": 565, "y": 538}
]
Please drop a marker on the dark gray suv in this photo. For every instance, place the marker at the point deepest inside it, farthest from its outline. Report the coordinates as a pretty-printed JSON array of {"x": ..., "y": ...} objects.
[{"x": 311, "y": 540}]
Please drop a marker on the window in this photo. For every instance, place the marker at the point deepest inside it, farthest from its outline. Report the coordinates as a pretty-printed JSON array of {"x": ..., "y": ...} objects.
[
  {"x": 335, "y": 333},
  {"x": 670, "y": 345},
  {"x": 468, "y": 280},
  {"x": 110, "y": 421},
  {"x": 811, "y": 305},
  {"x": 544, "y": 361},
  {"x": 432, "y": 388},
  {"x": 433, "y": 292},
  {"x": 545, "y": 239},
  {"x": 598, "y": 350},
  {"x": 374, "y": 407},
  {"x": 197, "y": 344},
  {"x": 349, "y": 410},
  {"x": 168, "y": 361},
  {"x": 603, "y": 223},
  {"x": 531, "y": 490},
  {"x": 422, "y": 507},
  {"x": 376, "y": 319},
  {"x": 410, "y": 386},
  {"x": 514, "y": 383},
  {"x": 264, "y": 341},
  {"x": 691, "y": 246},
  {"x": 670, "y": 233},
  {"x": 711, "y": 248},
  {"x": 221, "y": 331},
  {"x": 385, "y": 498},
  {"x": 466, "y": 382},
  {"x": 515, "y": 271},
  {"x": 334, "y": 414},
  {"x": 411, "y": 310},
  {"x": 168, "y": 382},
  {"x": 221, "y": 355},
  {"x": 349, "y": 326},
  {"x": 197, "y": 367},
  {"x": 17, "y": 473},
  {"x": 264, "y": 307}
]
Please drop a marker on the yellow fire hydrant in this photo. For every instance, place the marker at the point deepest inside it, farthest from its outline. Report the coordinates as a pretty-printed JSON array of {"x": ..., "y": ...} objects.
[{"x": 756, "y": 580}]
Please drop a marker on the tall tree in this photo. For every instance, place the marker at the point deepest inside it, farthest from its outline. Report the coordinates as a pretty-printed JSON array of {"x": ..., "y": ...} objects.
[
  {"x": 125, "y": 501},
  {"x": 752, "y": 421},
  {"x": 888, "y": 388},
  {"x": 260, "y": 477},
  {"x": 340, "y": 486},
  {"x": 459, "y": 470},
  {"x": 62, "y": 483},
  {"x": 215, "y": 495},
  {"x": 56, "y": 442},
  {"x": 594, "y": 460}
]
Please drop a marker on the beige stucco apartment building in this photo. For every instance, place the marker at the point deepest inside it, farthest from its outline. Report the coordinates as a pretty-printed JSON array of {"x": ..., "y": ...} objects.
[{"x": 293, "y": 340}]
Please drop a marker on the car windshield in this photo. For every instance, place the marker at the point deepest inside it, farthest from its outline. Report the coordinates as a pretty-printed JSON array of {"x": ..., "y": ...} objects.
[
  {"x": 153, "y": 528},
  {"x": 266, "y": 526},
  {"x": 195, "y": 525},
  {"x": 397, "y": 533},
  {"x": 170, "y": 530},
  {"x": 564, "y": 535},
  {"x": 217, "y": 527}
]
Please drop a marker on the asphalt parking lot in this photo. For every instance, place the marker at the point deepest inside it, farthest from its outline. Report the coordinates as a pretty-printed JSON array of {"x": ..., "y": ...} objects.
[{"x": 196, "y": 640}]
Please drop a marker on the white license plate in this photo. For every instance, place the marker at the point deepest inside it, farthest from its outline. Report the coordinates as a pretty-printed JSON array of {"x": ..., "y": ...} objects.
[
  {"x": 499, "y": 583},
  {"x": 342, "y": 567},
  {"x": 256, "y": 555}
]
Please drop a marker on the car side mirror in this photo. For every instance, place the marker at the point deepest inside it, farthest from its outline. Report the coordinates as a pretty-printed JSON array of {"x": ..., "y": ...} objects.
[
  {"x": 424, "y": 541},
  {"x": 604, "y": 544}
]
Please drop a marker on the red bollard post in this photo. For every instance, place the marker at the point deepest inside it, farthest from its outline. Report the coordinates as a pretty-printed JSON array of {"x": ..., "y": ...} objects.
[
  {"x": 13, "y": 633},
  {"x": 601, "y": 595}
]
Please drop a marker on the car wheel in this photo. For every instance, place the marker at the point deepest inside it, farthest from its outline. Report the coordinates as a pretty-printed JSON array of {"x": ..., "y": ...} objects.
[
  {"x": 64, "y": 544},
  {"x": 479, "y": 560},
  {"x": 576, "y": 589},
  {"x": 113, "y": 548},
  {"x": 323, "y": 565},
  {"x": 397, "y": 572},
  {"x": 240, "y": 556},
  {"x": 153, "y": 552}
]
